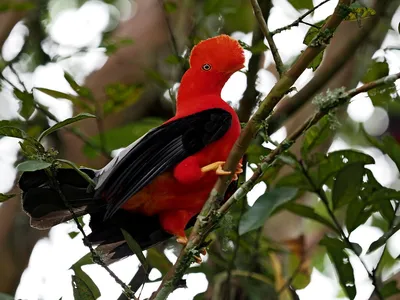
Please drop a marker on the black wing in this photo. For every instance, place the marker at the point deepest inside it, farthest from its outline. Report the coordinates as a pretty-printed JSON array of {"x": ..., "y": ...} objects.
[{"x": 159, "y": 150}]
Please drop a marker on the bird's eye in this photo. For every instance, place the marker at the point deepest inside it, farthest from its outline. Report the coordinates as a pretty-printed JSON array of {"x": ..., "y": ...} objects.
[{"x": 206, "y": 67}]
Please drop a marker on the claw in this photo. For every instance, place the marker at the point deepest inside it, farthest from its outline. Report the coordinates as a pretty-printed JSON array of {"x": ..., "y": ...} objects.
[
  {"x": 217, "y": 166},
  {"x": 182, "y": 240},
  {"x": 198, "y": 259}
]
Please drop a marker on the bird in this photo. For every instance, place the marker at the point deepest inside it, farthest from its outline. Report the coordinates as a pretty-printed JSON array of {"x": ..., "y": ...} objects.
[{"x": 155, "y": 187}]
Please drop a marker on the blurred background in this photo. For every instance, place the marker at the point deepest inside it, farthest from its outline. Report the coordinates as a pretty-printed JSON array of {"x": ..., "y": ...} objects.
[{"x": 130, "y": 55}]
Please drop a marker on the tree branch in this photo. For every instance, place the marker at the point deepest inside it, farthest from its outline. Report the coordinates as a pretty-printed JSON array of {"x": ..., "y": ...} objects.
[
  {"x": 264, "y": 28},
  {"x": 299, "y": 20}
]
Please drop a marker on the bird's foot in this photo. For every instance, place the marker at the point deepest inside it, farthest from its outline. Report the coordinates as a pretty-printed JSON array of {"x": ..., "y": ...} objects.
[
  {"x": 183, "y": 240},
  {"x": 217, "y": 166}
]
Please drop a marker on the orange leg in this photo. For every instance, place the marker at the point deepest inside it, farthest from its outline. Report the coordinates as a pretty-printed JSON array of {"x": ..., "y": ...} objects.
[{"x": 217, "y": 167}]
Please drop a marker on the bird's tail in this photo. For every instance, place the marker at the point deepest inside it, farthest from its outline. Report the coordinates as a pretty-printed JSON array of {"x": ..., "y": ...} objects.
[{"x": 43, "y": 203}]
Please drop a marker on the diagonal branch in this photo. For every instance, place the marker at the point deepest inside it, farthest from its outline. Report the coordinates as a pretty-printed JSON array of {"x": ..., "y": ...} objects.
[
  {"x": 299, "y": 20},
  {"x": 264, "y": 28},
  {"x": 209, "y": 215}
]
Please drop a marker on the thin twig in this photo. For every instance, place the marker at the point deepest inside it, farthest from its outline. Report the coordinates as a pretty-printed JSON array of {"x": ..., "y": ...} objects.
[
  {"x": 95, "y": 256},
  {"x": 264, "y": 28},
  {"x": 299, "y": 20}
]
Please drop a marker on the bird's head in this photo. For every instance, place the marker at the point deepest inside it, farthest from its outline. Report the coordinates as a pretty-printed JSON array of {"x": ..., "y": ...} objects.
[
  {"x": 220, "y": 54},
  {"x": 212, "y": 62}
]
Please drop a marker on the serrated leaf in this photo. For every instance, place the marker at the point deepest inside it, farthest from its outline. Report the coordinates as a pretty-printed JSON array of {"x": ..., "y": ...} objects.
[
  {"x": 5, "y": 197},
  {"x": 341, "y": 261},
  {"x": 122, "y": 136},
  {"x": 315, "y": 136},
  {"x": 66, "y": 122},
  {"x": 302, "y": 4},
  {"x": 309, "y": 213},
  {"x": 135, "y": 248},
  {"x": 383, "y": 239},
  {"x": 347, "y": 184},
  {"x": 256, "y": 216},
  {"x": 32, "y": 165}
]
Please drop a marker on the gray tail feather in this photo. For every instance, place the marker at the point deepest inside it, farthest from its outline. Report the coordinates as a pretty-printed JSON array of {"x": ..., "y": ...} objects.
[{"x": 44, "y": 204}]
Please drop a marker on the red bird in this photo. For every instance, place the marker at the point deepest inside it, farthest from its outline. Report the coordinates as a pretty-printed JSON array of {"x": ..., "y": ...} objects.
[{"x": 160, "y": 182}]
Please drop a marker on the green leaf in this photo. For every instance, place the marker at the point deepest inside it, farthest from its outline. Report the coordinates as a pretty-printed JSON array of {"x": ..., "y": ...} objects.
[
  {"x": 295, "y": 179},
  {"x": 302, "y": 4},
  {"x": 28, "y": 103},
  {"x": 158, "y": 260},
  {"x": 355, "y": 214},
  {"x": 389, "y": 289},
  {"x": 83, "y": 286},
  {"x": 383, "y": 239},
  {"x": 381, "y": 95},
  {"x": 313, "y": 32},
  {"x": 121, "y": 96},
  {"x": 73, "y": 234},
  {"x": 66, "y": 122},
  {"x": 12, "y": 132},
  {"x": 5, "y": 197},
  {"x": 80, "y": 90},
  {"x": 134, "y": 246},
  {"x": 376, "y": 71},
  {"x": 256, "y": 216},
  {"x": 387, "y": 145},
  {"x": 341, "y": 261},
  {"x": 84, "y": 260},
  {"x": 314, "y": 64},
  {"x": 315, "y": 136},
  {"x": 309, "y": 213},
  {"x": 347, "y": 184},
  {"x": 76, "y": 100},
  {"x": 123, "y": 136},
  {"x": 33, "y": 165},
  {"x": 337, "y": 160}
]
